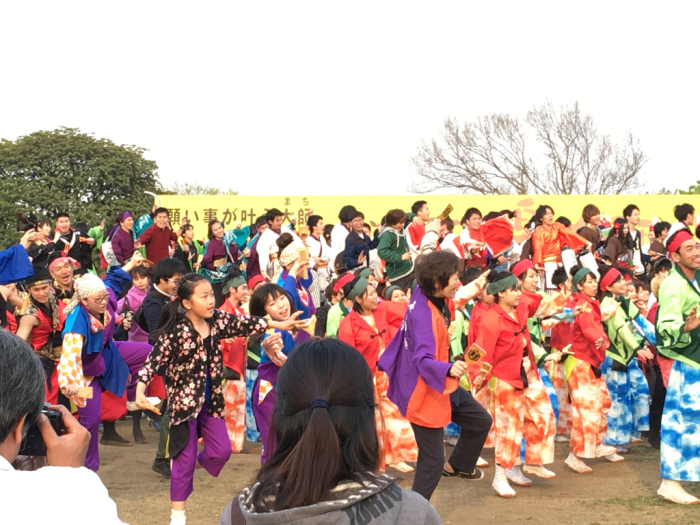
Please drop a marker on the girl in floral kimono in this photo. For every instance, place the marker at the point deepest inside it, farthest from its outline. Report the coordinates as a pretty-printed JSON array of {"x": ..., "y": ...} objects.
[{"x": 188, "y": 355}]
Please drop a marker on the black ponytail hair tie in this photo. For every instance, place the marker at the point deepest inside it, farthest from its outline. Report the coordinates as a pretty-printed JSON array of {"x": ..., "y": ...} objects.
[{"x": 320, "y": 403}]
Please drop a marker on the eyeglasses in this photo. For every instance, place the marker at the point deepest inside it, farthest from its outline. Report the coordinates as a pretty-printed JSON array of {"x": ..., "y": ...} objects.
[
  {"x": 175, "y": 281},
  {"x": 101, "y": 300}
]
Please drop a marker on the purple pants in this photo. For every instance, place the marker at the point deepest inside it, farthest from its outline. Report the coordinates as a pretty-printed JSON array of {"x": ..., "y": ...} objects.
[
  {"x": 264, "y": 411},
  {"x": 134, "y": 354},
  {"x": 213, "y": 457}
]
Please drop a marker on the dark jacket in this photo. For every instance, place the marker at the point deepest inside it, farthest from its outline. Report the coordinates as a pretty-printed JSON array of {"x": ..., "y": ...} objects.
[
  {"x": 356, "y": 244},
  {"x": 151, "y": 307}
]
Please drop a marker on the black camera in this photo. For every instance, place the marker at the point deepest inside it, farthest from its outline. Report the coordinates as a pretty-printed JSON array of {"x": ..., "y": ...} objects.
[{"x": 33, "y": 443}]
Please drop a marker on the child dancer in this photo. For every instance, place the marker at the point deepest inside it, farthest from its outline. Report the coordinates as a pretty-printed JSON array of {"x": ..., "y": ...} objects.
[
  {"x": 234, "y": 351},
  {"x": 90, "y": 356},
  {"x": 271, "y": 301},
  {"x": 188, "y": 355}
]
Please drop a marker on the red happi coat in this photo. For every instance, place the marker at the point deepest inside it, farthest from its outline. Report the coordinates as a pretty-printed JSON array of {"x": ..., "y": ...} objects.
[
  {"x": 235, "y": 350},
  {"x": 356, "y": 332},
  {"x": 586, "y": 330},
  {"x": 504, "y": 339},
  {"x": 561, "y": 332}
]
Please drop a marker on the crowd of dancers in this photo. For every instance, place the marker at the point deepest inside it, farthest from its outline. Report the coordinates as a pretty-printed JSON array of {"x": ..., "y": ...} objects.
[{"x": 473, "y": 338}]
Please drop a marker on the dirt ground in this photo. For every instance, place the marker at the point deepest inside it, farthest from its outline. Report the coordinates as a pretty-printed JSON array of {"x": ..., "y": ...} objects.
[{"x": 623, "y": 493}]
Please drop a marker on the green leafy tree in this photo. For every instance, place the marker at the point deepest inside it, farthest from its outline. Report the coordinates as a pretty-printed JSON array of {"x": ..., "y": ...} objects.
[
  {"x": 694, "y": 189},
  {"x": 48, "y": 172},
  {"x": 194, "y": 189}
]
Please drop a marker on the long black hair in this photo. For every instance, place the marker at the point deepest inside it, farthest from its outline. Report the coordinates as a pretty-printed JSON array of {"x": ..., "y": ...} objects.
[
  {"x": 174, "y": 312},
  {"x": 318, "y": 447},
  {"x": 210, "y": 233},
  {"x": 618, "y": 231}
]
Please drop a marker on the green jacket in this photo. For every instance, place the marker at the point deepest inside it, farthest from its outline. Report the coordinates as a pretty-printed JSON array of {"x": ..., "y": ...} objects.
[
  {"x": 459, "y": 337},
  {"x": 335, "y": 315},
  {"x": 392, "y": 245},
  {"x": 623, "y": 342},
  {"x": 677, "y": 297}
]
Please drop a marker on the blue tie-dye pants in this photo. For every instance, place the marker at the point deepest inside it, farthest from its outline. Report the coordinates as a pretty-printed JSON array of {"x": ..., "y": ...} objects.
[
  {"x": 629, "y": 396},
  {"x": 680, "y": 425},
  {"x": 251, "y": 433}
]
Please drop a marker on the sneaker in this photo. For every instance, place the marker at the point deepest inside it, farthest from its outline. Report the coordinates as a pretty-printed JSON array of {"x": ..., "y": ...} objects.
[
  {"x": 516, "y": 476},
  {"x": 402, "y": 467},
  {"x": 500, "y": 484},
  {"x": 477, "y": 474},
  {"x": 539, "y": 471},
  {"x": 673, "y": 491},
  {"x": 602, "y": 451},
  {"x": 614, "y": 458},
  {"x": 561, "y": 438},
  {"x": 577, "y": 465},
  {"x": 162, "y": 467},
  {"x": 482, "y": 463}
]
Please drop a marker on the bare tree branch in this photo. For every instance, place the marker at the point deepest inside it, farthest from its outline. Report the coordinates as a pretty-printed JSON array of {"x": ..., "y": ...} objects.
[{"x": 491, "y": 156}]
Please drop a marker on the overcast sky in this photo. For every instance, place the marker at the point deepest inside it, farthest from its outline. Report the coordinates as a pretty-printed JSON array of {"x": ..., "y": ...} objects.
[{"x": 330, "y": 98}]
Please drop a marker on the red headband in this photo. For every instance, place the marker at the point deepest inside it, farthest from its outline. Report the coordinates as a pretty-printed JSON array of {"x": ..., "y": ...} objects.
[
  {"x": 609, "y": 278},
  {"x": 63, "y": 258},
  {"x": 253, "y": 281},
  {"x": 678, "y": 239},
  {"x": 345, "y": 279},
  {"x": 521, "y": 267}
]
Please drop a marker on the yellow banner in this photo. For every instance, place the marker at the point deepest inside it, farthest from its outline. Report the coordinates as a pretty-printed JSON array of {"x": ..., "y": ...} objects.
[{"x": 232, "y": 209}]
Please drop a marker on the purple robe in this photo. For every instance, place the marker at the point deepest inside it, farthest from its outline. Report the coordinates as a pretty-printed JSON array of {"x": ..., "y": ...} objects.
[{"x": 412, "y": 353}]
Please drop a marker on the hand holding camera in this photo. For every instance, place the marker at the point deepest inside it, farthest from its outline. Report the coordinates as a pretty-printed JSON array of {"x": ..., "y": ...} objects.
[{"x": 66, "y": 441}]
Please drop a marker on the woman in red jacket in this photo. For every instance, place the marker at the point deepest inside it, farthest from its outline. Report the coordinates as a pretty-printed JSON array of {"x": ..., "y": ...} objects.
[
  {"x": 589, "y": 394},
  {"x": 235, "y": 355},
  {"x": 521, "y": 404},
  {"x": 369, "y": 328}
]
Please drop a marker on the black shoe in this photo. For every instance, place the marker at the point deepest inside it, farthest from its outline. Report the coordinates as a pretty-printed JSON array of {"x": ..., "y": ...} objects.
[
  {"x": 162, "y": 467},
  {"x": 115, "y": 440},
  {"x": 477, "y": 474}
]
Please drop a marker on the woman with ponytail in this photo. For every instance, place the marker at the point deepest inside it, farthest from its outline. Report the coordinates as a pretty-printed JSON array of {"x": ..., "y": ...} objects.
[
  {"x": 188, "y": 356},
  {"x": 323, "y": 468}
]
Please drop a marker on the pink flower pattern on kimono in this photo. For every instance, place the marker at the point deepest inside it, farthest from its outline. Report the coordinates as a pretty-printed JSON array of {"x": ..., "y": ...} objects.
[{"x": 182, "y": 359}]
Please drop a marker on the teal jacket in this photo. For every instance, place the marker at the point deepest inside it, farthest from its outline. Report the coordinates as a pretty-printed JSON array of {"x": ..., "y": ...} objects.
[{"x": 392, "y": 246}]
